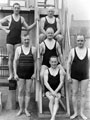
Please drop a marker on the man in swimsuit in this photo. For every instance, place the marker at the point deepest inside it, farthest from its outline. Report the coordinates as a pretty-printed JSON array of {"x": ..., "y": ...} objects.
[
  {"x": 50, "y": 21},
  {"x": 48, "y": 48},
  {"x": 24, "y": 72},
  {"x": 15, "y": 23},
  {"x": 53, "y": 80},
  {"x": 78, "y": 73}
]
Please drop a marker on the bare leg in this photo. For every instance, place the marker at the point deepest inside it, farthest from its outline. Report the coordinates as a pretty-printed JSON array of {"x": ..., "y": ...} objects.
[
  {"x": 51, "y": 101},
  {"x": 55, "y": 107},
  {"x": 43, "y": 68},
  {"x": 74, "y": 97},
  {"x": 84, "y": 85},
  {"x": 59, "y": 38},
  {"x": 27, "y": 97},
  {"x": 21, "y": 84},
  {"x": 42, "y": 37},
  {"x": 10, "y": 51}
]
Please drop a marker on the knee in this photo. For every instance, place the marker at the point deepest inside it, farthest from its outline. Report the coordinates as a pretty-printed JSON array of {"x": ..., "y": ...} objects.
[
  {"x": 20, "y": 92},
  {"x": 42, "y": 37},
  {"x": 56, "y": 100},
  {"x": 11, "y": 57},
  {"x": 83, "y": 94},
  {"x": 74, "y": 93},
  {"x": 59, "y": 37},
  {"x": 51, "y": 99},
  {"x": 28, "y": 92}
]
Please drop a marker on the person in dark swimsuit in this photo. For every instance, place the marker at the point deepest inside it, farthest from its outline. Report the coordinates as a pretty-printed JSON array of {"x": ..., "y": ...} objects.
[
  {"x": 50, "y": 21},
  {"x": 15, "y": 23},
  {"x": 49, "y": 48},
  {"x": 53, "y": 81},
  {"x": 78, "y": 73},
  {"x": 24, "y": 71}
]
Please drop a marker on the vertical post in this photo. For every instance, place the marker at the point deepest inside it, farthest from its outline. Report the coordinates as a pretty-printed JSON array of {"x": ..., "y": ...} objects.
[
  {"x": 37, "y": 46},
  {"x": 0, "y": 102},
  {"x": 27, "y": 3},
  {"x": 56, "y": 3}
]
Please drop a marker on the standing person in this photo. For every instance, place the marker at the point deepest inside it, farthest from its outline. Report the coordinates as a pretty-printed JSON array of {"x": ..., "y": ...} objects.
[
  {"x": 15, "y": 23},
  {"x": 53, "y": 80},
  {"x": 78, "y": 73},
  {"x": 50, "y": 21},
  {"x": 49, "y": 47},
  {"x": 24, "y": 71}
]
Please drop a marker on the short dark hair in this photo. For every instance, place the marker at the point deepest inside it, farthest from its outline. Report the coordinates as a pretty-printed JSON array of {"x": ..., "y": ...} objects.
[
  {"x": 53, "y": 57},
  {"x": 16, "y": 4}
]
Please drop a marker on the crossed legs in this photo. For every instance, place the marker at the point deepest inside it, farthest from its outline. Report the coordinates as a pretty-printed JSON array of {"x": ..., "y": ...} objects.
[{"x": 53, "y": 104}]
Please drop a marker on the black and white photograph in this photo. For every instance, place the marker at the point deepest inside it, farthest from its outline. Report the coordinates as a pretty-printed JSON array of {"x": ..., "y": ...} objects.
[{"x": 44, "y": 59}]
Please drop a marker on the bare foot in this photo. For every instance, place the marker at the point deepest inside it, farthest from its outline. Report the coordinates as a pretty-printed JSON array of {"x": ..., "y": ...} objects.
[
  {"x": 73, "y": 116},
  {"x": 52, "y": 118},
  {"x": 19, "y": 113},
  {"x": 27, "y": 113},
  {"x": 10, "y": 77},
  {"x": 83, "y": 116}
]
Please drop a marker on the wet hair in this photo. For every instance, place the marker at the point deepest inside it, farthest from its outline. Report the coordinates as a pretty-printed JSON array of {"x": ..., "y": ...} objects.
[{"x": 16, "y": 4}]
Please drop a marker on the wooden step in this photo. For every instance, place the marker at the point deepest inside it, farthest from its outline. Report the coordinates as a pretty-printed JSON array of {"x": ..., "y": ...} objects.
[{"x": 46, "y": 113}]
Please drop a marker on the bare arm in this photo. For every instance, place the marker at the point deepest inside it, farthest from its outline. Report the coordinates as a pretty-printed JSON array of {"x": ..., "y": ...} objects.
[
  {"x": 5, "y": 19},
  {"x": 28, "y": 28},
  {"x": 58, "y": 27},
  {"x": 69, "y": 62},
  {"x": 46, "y": 81},
  {"x": 61, "y": 81},
  {"x": 17, "y": 54},
  {"x": 34, "y": 56},
  {"x": 58, "y": 48},
  {"x": 41, "y": 52},
  {"x": 42, "y": 25}
]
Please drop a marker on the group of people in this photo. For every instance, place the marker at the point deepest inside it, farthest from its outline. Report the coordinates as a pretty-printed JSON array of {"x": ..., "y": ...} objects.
[{"x": 22, "y": 61}]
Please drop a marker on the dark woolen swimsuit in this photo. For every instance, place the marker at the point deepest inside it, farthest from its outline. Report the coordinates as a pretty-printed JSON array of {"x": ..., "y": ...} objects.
[
  {"x": 52, "y": 25},
  {"x": 14, "y": 36},
  {"x": 80, "y": 68},
  {"x": 53, "y": 81},
  {"x": 48, "y": 53},
  {"x": 25, "y": 68}
]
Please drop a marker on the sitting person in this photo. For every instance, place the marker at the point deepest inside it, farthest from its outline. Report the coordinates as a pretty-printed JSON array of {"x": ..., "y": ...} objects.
[
  {"x": 50, "y": 21},
  {"x": 24, "y": 72},
  {"x": 49, "y": 48},
  {"x": 53, "y": 81}
]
